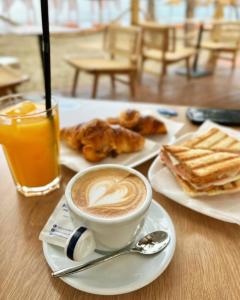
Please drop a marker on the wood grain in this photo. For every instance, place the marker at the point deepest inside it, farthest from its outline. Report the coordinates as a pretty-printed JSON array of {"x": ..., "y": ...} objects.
[{"x": 205, "y": 264}]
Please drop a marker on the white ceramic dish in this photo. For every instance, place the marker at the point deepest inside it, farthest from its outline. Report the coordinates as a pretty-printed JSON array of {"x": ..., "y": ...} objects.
[
  {"x": 75, "y": 161},
  {"x": 77, "y": 111},
  {"x": 124, "y": 274},
  {"x": 222, "y": 207}
]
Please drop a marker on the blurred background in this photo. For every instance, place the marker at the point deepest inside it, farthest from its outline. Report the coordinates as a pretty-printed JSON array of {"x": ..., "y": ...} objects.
[{"x": 78, "y": 28}]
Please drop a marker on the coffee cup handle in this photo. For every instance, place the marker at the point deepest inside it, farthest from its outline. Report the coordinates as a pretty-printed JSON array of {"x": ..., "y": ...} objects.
[{"x": 80, "y": 244}]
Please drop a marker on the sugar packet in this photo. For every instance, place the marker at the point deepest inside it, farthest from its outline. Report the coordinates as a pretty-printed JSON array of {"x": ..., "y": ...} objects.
[{"x": 59, "y": 226}]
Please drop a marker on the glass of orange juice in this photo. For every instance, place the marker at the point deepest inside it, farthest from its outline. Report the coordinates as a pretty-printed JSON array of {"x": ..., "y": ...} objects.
[{"x": 29, "y": 135}]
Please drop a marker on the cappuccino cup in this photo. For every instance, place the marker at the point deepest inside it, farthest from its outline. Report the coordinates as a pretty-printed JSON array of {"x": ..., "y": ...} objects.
[{"x": 110, "y": 202}]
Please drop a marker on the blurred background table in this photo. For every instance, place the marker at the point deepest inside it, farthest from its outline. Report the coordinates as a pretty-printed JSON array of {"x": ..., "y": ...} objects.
[
  {"x": 36, "y": 30},
  {"x": 54, "y": 30},
  {"x": 205, "y": 264}
]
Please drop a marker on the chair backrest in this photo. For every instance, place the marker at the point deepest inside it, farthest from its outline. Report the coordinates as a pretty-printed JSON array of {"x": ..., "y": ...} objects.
[
  {"x": 121, "y": 41},
  {"x": 158, "y": 37},
  {"x": 190, "y": 32},
  {"x": 226, "y": 32}
]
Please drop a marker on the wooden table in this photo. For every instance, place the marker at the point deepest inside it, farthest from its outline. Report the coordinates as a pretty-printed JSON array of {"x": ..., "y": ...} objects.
[
  {"x": 55, "y": 30},
  {"x": 205, "y": 264},
  {"x": 25, "y": 30}
]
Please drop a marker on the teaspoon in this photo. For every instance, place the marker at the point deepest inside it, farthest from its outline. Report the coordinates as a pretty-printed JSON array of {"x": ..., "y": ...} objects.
[{"x": 151, "y": 243}]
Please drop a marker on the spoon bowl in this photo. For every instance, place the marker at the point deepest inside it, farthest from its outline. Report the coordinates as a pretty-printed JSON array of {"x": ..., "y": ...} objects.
[{"x": 152, "y": 243}]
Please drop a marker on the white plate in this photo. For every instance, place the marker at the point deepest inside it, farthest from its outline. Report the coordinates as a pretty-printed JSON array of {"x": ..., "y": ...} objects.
[
  {"x": 222, "y": 207},
  {"x": 124, "y": 274},
  {"x": 77, "y": 111},
  {"x": 75, "y": 161}
]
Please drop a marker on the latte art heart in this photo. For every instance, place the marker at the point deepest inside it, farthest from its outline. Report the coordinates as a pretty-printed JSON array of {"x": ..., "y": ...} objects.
[
  {"x": 104, "y": 193},
  {"x": 108, "y": 192}
]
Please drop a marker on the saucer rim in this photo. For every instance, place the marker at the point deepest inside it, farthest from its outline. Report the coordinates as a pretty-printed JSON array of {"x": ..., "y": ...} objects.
[{"x": 133, "y": 287}]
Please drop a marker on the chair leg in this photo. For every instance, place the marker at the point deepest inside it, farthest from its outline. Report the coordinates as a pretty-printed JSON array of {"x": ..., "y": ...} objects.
[
  {"x": 140, "y": 72},
  {"x": 113, "y": 82},
  {"x": 209, "y": 61},
  {"x": 75, "y": 81},
  {"x": 188, "y": 68},
  {"x": 163, "y": 73},
  {"x": 234, "y": 61},
  {"x": 212, "y": 61},
  {"x": 164, "y": 70},
  {"x": 95, "y": 85},
  {"x": 215, "y": 61},
  {"x": 132, "y": 83}
]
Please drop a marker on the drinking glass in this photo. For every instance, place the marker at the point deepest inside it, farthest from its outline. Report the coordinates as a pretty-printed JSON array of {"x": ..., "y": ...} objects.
[{"x": 29, "y": 135}]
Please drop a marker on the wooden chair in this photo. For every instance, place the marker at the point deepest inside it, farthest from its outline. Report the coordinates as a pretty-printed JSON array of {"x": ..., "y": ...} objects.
[
  {"x": 10, "y": 79},
  {"x": 121, "y": 48},
  {"x": 224, "y": 39},
  {"x": 159, "y": 44}
]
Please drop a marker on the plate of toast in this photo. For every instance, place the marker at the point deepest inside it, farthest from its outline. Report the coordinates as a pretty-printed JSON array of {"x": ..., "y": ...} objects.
[
  {"x": 201, "y": 171},
  {"x": 129, "y": 138}
]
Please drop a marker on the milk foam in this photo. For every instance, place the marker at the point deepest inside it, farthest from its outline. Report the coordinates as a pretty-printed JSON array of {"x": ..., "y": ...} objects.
[
  {"x": 98, "y": 194},
  {"x": 108, "y": 192}
]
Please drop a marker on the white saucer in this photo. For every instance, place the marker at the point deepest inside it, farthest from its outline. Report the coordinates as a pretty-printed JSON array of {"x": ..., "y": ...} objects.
[{"x": 126, "y": 273}]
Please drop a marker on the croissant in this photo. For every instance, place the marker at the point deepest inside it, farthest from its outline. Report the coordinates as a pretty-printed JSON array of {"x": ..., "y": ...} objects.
[
  {"x": 144, "y": 125},
  {"x": 97, "y": 139},
  {"x": 126, "y": 141},
  {"x": 72, "y": 136}
]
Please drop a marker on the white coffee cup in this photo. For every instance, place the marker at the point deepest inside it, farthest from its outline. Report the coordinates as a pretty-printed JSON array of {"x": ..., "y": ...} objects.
[{"x": 115, "y": 232}]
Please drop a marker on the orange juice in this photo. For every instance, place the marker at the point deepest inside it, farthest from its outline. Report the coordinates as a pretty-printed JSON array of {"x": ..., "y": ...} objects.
[{"x": 30, "y": 141}]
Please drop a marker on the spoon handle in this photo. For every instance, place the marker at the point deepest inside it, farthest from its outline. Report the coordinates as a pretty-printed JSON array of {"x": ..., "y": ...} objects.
[{"x": 89, "y": 264}]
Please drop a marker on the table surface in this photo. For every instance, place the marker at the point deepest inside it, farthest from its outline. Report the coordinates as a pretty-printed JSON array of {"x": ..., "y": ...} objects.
[
  {"x": 60, "y": 29},
  {"x": 54, "y": 30},
  {"x": 205, "y": 264}
]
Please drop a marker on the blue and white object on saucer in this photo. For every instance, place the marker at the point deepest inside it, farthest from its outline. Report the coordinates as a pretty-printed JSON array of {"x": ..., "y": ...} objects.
[{"x": 80, "y": 244}]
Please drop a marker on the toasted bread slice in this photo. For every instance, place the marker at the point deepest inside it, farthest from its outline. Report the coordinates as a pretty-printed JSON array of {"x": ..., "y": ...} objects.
[
  {"x": 214, "y": 139},
  {"x": 202, "y": 167},
  {"x": 227, "y": 188}
]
